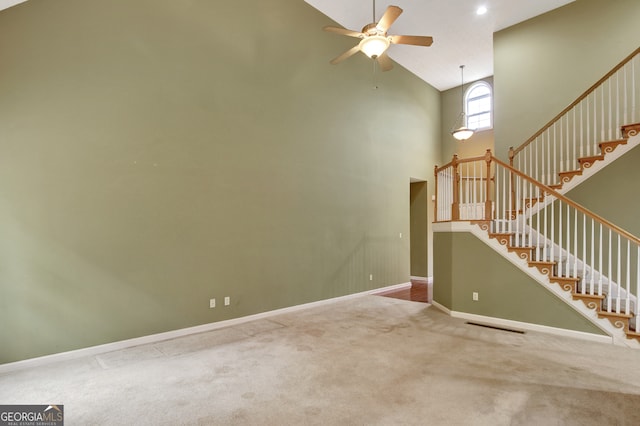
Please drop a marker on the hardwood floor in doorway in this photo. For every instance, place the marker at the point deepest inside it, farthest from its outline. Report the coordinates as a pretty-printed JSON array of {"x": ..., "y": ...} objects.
[{"x": 418, "y": 292}]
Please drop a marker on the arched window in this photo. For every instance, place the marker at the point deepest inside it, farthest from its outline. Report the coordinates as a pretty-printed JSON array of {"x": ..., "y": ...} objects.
[{"x": 478, "y": 103}]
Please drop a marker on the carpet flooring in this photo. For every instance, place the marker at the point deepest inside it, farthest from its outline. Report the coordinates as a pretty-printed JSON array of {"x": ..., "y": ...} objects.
[{"x": 368, "y": 360}]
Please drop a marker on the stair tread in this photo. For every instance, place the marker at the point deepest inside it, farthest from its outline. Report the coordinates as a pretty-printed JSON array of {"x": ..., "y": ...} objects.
[
  {"x": 633, "y": 335},
  {"x": 621, "y": 141},
  {"x": 570, "y": 172},
  {"x": 630, "y": 125},
  {"x": 541, "y": 262},
  {"x": 630, "y": 129},
  {"x": 591, "y": 157},
  {"x": 587, "y": 295},
  {"x": 615, "y": 314},
  {"x": 610, "y": 146}
]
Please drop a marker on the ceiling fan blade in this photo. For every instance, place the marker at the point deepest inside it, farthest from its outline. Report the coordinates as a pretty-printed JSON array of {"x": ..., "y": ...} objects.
[
  {"x": 413, "y": 40},
  {"x": 343, "y": 31},
  {"x": 355, "y": 49},
  {"x": 389, "y": 17},
  {"x": 385, "y": 62}
]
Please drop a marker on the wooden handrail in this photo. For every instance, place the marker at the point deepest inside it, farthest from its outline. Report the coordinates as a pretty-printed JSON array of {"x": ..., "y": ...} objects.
[
  {"x": 574, "y": 103},
  {"x": 576, "y": 206},
  {"x": 458, "y": 161}
]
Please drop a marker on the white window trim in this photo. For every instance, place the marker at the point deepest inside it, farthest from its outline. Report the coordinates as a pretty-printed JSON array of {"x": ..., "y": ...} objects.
[{"x": 466, "y": 103}]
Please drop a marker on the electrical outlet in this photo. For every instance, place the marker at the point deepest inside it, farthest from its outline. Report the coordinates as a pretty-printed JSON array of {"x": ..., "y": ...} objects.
[
  {"x": 227, "y": 301},
  {"x": 370, "y": 277},
  {"x": 212, "y": 303},
  {"x": 475, "y": 296},
  {"x": 401, "y": 235}
]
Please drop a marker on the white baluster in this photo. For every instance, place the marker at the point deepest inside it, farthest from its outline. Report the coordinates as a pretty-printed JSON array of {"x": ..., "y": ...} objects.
[
  {"x": 618, "y": 277},
  {"x": 602, "y": 113},
  {"x": 535, "y": 170},
  {"x": 610, "y": 276},
  {"x": 544, "y": 179},
  {"x": 510, "y": 192},
  {"x": 581, "y": 128},
  {"x": 626, "y": 104},
  {"x": 617, "y": 122},
  {"x": 627, "y": 307},
  {"x": 600, "y": 264},
  {"x": 575, "y": 244},
  {"x": 538, "y": 203},
  {"x": 505, "y": 206},
  {"x": 555, "y": 169},
  {"x": 575, "y": 151},
  {"x": 560, "y": 235},
  {"x": 637, "y": 288},
  {"x": 595, "y": 122},
  {"x": 610, "y": 110},
  {"x": 568, "y": 239},
  {"x": 543, "y": 235},
  {"x": 553, "y": 230},
  {"x": 588, "y": 126}
]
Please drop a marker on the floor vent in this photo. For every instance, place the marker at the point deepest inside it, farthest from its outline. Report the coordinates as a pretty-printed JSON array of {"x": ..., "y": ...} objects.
[{"x": 496, "y": 328}]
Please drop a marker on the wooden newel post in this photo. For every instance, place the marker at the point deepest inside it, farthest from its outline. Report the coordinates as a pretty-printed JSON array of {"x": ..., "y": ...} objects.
[
  {"x": 455, "y": 205},
  {"x": 488, "y": 202}
]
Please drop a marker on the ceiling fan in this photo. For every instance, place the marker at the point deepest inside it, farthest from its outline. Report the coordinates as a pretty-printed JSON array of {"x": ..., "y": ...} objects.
[{"x": 375, "y": 41}]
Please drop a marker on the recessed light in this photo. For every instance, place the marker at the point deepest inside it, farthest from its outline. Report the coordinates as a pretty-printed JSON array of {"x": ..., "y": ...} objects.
[{"x": 481, "y": 10}]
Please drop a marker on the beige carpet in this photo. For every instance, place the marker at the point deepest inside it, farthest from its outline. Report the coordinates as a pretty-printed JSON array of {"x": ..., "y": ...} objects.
[{"x": 366, "y": 361}]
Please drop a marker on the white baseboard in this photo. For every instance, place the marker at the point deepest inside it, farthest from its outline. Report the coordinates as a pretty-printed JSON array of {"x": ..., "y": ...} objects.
[
  {"x": 400, "y": 286},
  {"x": 428, "y": 280},
  {"x": 154, "y": 338},
  {"x": 441, "y": 307},
  {"x": 525, "y": 326}
]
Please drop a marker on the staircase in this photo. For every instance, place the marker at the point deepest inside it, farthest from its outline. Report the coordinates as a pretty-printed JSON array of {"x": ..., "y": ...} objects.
[
  {"x": 605, "y": 297},
  {"x": 590, "y": 133},
  {"x": 588, "y": 165},
  {"x": 521, "y": 205}
]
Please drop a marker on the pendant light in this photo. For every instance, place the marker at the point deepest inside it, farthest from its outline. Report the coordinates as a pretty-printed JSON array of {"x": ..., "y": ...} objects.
[{"x": 462, "y": 133}]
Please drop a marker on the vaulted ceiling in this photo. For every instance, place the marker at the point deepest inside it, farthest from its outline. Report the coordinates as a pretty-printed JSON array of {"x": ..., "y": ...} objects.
[{"x": 461, "y": 36}]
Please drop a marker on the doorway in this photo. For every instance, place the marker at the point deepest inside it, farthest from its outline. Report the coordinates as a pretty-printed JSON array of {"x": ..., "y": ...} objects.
[
  {"x": 418, "y": 220},
  {"x": 418, "y": 236}
]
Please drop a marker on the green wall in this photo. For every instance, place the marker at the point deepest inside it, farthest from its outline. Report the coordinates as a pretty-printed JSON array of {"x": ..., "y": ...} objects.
[
  {"x": 156, "y": 154},
  {"x": 464, "y": 264},
  {"x": 545, "y": 63},
  {"x": 612, "y": 192}
]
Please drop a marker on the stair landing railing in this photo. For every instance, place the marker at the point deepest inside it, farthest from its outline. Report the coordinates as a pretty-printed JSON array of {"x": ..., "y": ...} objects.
[
  {"x": 594, "y": 117},
  {"x": 586, "y": 254}
]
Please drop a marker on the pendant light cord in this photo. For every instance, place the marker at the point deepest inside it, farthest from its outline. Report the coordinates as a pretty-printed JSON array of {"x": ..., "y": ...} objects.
[{"x": 462, "y": 90}]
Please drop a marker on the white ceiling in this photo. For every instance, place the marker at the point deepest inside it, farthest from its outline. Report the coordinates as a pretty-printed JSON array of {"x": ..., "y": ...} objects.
[
  {"x": 8, "y": 3},
  {"x": 461, "y": 37}
]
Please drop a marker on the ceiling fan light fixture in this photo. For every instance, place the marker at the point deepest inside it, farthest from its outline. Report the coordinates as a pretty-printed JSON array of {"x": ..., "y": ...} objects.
[{"x": 374, "y": 46}]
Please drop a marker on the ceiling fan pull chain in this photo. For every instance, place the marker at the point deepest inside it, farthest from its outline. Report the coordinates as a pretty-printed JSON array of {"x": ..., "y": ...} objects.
[{"x": 374, "y": 76}]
